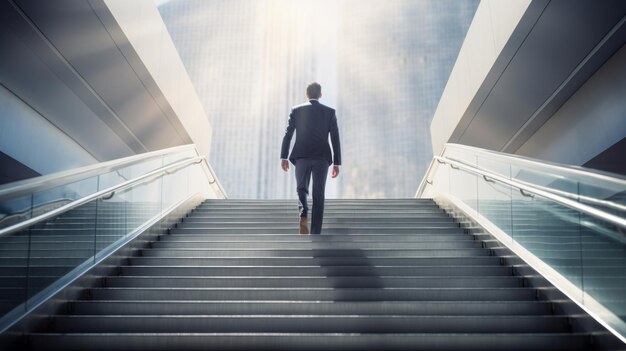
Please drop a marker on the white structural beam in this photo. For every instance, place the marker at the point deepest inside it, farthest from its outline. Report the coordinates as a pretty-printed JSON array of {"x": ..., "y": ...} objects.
[
  {"x": 492, "y": 27},
  {"x": 522, "y": 64},
  {"x": 145, "y": 31}
]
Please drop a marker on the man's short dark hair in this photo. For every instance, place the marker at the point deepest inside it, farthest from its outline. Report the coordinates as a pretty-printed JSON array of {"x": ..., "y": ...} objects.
[{"x": 314, "y": 90}]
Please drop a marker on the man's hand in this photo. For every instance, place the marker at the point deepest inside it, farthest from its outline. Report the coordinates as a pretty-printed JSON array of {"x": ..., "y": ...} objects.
[
  {"x": 285, "y": 165},
  {"x": 335, "y": 171}
]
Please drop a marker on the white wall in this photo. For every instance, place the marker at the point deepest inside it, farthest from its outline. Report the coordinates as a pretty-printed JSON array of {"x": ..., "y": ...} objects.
[
  {"x": 592, "y": 120},
  {"x": 146, "y": 32},
  {"x": 490, "y": 30}
]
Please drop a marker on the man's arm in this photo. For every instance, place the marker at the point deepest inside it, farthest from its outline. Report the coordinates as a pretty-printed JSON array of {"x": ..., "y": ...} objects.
[
  {"x": 284, "y": 149},
  {"x": 334, "y": 138}
]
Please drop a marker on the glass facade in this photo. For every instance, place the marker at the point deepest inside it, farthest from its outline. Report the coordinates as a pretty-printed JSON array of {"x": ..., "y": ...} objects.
[
  {"x": 382, "y": 65},
  {"x": 394, "y": 62}
]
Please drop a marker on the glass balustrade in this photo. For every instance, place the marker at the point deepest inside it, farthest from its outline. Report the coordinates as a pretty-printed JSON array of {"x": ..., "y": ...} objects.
[
  {"x": 584, "y": 252},
  {"x": 35, "y": 258}
]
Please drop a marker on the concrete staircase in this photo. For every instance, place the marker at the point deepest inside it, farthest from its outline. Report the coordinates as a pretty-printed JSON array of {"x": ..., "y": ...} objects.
[{"x": 384, "y": 275}]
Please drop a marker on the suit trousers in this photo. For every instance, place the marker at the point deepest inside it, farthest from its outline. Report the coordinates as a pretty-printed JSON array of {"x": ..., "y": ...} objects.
[{"x": 318, "y": 168}]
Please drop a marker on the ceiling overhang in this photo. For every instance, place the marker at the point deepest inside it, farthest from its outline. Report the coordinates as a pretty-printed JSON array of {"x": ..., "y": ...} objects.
[
  {"x": 85, "y": 77},
  {"x": 540, "y": 67}
]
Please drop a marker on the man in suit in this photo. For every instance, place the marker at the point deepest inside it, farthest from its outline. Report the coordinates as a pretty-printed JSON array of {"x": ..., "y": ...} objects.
[{"x": 311, "y": 155}]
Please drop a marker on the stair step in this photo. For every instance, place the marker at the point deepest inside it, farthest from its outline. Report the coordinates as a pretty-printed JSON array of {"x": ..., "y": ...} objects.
[
  {"x": 139, "y": 307},
  {"x": 327, "y": 225},
  {"x": 315, "y": 270},
  {"x": 285, "y": 252},
  {"x": 310, "y": 341},
  {"x": 315, "y": 245},
  {"x": 225, "y": 281},
  {"x": 293, "y": 230},
  {"x": 313, "y": 238},
  {"x": 309, "y": 324},
  {"x": 327, "y": 207},
  {"x": 321, "y": 261},
  {"x": 290, "y": 216},
  {"x": 327, "y": 219},
  {"x": 315, "y": 294},
  {"x": 293, "y": 211},
  {"x": 329, "y": 202}
]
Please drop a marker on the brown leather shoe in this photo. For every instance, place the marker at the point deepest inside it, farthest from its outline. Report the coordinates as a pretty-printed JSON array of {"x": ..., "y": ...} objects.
[{"x": 304, "y": 227}]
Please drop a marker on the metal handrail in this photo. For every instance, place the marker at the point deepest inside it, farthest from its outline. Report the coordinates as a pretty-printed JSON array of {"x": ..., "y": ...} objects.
[
  {"x": 425, "y": 181},
  {"x": 102, "y": 193},
  {"x": 213, "y": 178},
  {"x": 612, "y": 178},
  {"x": 562, "y": 168},
  {"x": 30, "y": 186},
  {"x": 592, "y": 211},
  {"x": 582, "y": 198}
]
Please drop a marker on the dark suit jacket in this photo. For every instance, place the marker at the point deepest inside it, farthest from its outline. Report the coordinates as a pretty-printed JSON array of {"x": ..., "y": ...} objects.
[{"x": 312, "y": 122}]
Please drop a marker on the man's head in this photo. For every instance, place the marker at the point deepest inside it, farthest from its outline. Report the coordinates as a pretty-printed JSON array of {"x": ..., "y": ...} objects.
[{"x": 314, "y": 91}]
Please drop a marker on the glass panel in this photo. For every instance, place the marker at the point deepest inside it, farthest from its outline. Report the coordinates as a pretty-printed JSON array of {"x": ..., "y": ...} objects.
[
  {"x": 441, "y": 180},
  {"x": 603, "y": 190},
  {"x": 546, "y": 179},
  {"x": 604, "y": 259},
  {"x": 589, "y": 253},
  {"x": 13, "y": 211},
  {"x": 121, "y": 212},
  {"x": 34, "y": 259},
  {"x": 609, "y": 197},
  {"x": 494, "y": 198},
  {"x": 13, "y": 270},
  {"x": 60, "y": 244},
  {"x": 549, "y": 231},
  {"x": 463, "y": 184}
]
